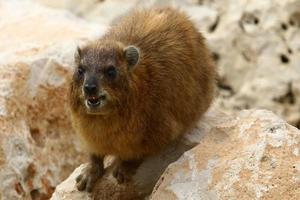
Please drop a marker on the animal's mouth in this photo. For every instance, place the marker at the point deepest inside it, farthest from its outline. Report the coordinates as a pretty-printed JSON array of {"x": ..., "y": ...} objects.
[
  {"x": 95, "y": 104},
  {"x": 93, "y": 101}
]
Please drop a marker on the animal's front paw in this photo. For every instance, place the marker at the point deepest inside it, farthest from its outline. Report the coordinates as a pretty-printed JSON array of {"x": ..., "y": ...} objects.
[
  {"x": 121, "y": 175},
  {"x": 124, "y": 170},
  {"x": 88, "y": 178}
]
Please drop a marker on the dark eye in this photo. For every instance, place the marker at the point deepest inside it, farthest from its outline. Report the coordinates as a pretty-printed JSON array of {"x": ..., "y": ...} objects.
[
  {"x": 111, "y": 72},
  {"x": 80, "y": 71}
]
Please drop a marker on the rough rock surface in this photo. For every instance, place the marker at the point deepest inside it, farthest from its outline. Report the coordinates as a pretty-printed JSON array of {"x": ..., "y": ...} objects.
[
  {"x": 37, "y": 145},
  {"x": 255, "y": 44},
  {"x": 66, "y": 189},
  {"x": 251, "y": 155}
]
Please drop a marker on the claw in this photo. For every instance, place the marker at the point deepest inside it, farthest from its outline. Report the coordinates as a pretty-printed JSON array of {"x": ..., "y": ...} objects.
[
  {"x": 119, "y": 176},
  {"x": 124, "y": 171},
  {"x": 88, "y": 178},
  {"x": 81, "y": 185},
  {"x": 78, "y": 178}
]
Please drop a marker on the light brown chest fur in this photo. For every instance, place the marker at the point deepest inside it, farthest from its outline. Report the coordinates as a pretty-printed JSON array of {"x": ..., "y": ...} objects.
[{"x": 122, "y": 138}]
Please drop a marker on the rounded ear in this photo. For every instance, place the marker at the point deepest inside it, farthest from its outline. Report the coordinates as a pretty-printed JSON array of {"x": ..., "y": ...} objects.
[
  {"x": 77, "y": 55},
  {"x": 132, "y": 55}
]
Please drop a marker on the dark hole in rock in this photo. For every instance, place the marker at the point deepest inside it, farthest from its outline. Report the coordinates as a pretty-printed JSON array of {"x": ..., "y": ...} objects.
[
  {"x": 215, "y": 56},
  {"x": 289, "y": 97},
  {"x": 248, "y": 18},
  {"x": 30, "y": 172},
  {"x": 284, "y": 26},
  {"x": 225, "y": 87},
  {"x": 290, "y": 51},
  {"x": 274, "y": 129},
  {"x": 19, "y": 188},
  {"x": 35, "y": 194},
  {"x": 284, "y": 59},
  {"x": 295, "y": 19},
  {"x": 222, "y": 85},
  {"x": 214, "y": 26},
  {"x": 297, "y": 124},
  {"x": 37, "y": 136},
  {"x": 264, "y": 159}
]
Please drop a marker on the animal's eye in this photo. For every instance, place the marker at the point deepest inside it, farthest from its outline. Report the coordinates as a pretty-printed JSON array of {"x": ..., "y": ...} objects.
[
  {"x": 80, "y": 70},
  {"x": 111, "y": 72}
]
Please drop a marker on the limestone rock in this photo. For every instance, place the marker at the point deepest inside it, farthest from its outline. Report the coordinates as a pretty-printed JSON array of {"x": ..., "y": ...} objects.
[
  {"x": 258, "y": 54},
  {"x": 38, "y": 148},
  {"x": 66, "y": 189},
  {"x": 252, "y": 155}
]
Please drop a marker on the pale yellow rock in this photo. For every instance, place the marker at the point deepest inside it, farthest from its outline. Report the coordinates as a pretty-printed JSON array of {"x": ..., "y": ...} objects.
[
  {"x": 258, "y": 56},
  {"x": 246, "y": 156},
  {"x": 67, "y": 191},
  {"x": 38, "y": 148}
]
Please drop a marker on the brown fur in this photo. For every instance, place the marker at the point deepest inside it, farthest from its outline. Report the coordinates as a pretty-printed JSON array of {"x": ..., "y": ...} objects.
[{"x": 156, "y": 101}]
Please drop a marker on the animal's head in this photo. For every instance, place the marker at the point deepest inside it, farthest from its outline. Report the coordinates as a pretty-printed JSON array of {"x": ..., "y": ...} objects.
[{"x": 101, "y": 77}]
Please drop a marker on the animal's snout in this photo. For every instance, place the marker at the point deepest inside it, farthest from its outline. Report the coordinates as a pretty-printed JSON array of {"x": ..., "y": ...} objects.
[{"x": 90, "y": 88}]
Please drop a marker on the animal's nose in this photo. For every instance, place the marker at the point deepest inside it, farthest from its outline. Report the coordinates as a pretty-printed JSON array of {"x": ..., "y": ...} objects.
[{"x": 90, "y": 88}]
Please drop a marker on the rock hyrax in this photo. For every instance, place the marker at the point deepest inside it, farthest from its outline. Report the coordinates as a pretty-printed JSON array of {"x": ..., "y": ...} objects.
[{"x": 146, "y": 82}]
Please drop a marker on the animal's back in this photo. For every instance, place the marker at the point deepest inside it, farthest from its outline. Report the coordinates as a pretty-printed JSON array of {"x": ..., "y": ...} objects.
[{"x": 175, "y": 66}]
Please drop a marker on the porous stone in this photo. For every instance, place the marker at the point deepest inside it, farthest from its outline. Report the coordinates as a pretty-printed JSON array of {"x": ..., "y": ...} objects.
[{"x": 252, "y": 155}]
